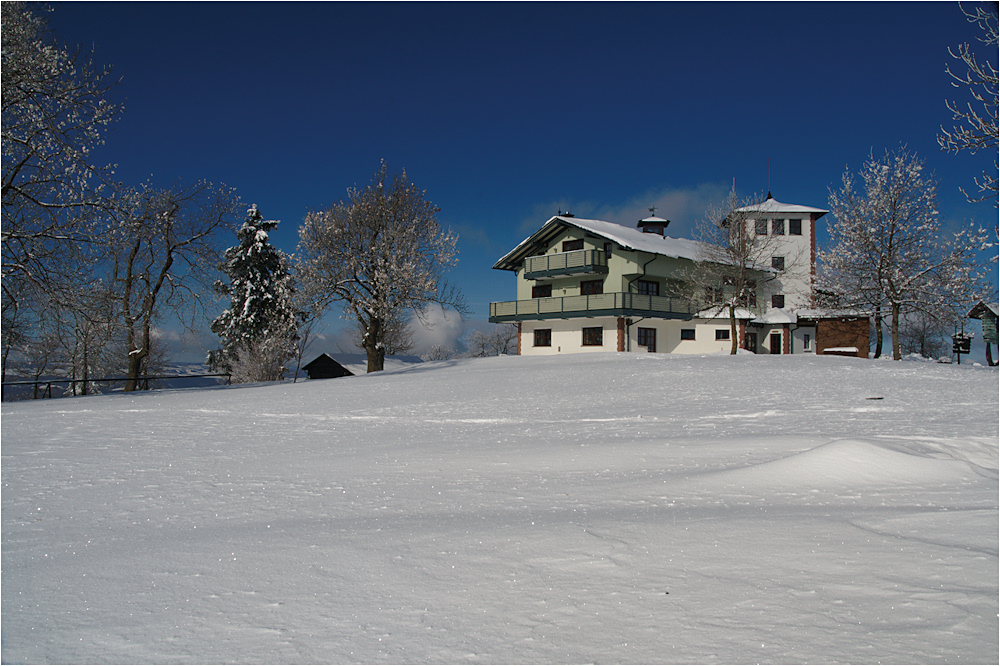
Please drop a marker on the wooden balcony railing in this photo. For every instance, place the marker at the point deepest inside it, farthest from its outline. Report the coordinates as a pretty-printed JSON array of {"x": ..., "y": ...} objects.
[
  {"x": 620, "y": 304},
  {"x": 565, "y": 263}
]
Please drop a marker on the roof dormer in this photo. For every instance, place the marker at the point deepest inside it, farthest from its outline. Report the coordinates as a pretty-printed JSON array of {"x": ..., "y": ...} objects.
[{"x": 653, "y": 224}]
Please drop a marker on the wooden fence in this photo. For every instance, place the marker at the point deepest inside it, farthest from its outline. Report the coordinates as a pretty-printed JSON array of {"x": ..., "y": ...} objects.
[{"x": 46, "y": 384}]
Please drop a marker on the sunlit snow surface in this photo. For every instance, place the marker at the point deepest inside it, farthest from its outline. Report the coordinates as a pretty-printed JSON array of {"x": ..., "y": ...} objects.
[{"x": 590, "y": 508}]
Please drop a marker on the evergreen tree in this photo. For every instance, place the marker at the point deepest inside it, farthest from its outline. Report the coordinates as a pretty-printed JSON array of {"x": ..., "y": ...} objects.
[{"x": 261, "y": 318}]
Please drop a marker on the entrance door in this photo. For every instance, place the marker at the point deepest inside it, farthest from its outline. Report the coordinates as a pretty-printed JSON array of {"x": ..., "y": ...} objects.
[
  {"x": 750, "y": 342},
  {"x": 647, "y": 338},
  {"x": 776, "y": 343}
]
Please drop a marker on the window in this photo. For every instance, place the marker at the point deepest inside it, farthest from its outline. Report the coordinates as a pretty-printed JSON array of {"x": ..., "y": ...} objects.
[
  {"x": 647, "y": 338},
  {"x": 761, "y": 227},
  {"x": 607, "y": 250},
  {"x": 713, "y": 295},
  {"x": 778, "y": 227},
  {"x": 541, "y": 291},
  {"x": 648, "y": 287},
  {"x": 543, "y": 337},
  {"x": 722, "y": 334},
  {"x": 593, "y": 336},
  {"x": 570, "y": 245},
  {"x": 778, "y": 263},
  {"x": 778, "y": 301},
  {"x": 687, "y": 334},
  {"x": 795, "y": 227},
  {"x": 807, "y": 342},
  {"x": 588, "y": 287}
]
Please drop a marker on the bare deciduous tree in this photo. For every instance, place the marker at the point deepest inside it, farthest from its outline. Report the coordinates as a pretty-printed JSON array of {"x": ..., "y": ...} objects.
[
  {"x": 439, "y": 353},
  {"x": 888, "y": 251},
  {"x": 398, "y": 334},
  {"x": 499, "y": 340},
  {"x": 55, "y": 109},
  {"x": 381, "y": 254},
  {"x": 977, "y": 128},
  {"x": 162, "y": 251},
  {"x": 735, "y": 261}
]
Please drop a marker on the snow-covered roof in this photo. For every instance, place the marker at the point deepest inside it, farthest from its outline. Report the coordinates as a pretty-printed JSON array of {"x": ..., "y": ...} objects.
[
  {"x": 981, "y": 308},
  {"x": 357, "y": 363},
  {"x": 626, "y": 237},
  {"x": 829, "y": 313},
  {"x": 776, "y": 317},
  {"x": 723, "y": 313},
  {"x": 772, "y": 206}
]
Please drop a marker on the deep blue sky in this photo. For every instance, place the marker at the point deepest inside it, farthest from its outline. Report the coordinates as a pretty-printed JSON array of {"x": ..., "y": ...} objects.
[{"x": 505, "y": 113}]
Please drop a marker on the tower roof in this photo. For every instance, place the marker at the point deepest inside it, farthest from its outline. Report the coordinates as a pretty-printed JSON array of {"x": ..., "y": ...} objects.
[{"x": 771, "y": 205}]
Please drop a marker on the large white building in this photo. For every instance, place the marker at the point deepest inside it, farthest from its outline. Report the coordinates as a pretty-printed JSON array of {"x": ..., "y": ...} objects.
[{"x": 590, "y": 285}]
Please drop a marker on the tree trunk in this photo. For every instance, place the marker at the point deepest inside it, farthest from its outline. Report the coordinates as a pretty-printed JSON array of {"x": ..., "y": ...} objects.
[
  {"x": 732, "y": 330},
  {"x": 137, "y": 357},
  {"x": 896, "y": 354},
  {"x": 878, "y": 331},
  {"x": 989, "y": 355},
  {"x": 373, "y": 344}
]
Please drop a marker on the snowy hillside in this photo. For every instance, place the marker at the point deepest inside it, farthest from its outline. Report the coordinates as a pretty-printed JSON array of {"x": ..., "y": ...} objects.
[{"x": 595, "y": 508}]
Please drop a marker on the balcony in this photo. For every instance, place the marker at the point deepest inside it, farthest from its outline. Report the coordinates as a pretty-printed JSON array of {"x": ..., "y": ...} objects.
[
  {"x": 578, "y": 262},
  {"x": 618, "y": 304}
]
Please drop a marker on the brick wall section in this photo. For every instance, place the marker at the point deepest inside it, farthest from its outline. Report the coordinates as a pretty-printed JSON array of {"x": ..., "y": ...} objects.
[
  {"x": 842, "y": 333},
  {"x": 621, "y": 334},
  {"x": 518, "y": 338},
  {"x": 786, "y": 339}
]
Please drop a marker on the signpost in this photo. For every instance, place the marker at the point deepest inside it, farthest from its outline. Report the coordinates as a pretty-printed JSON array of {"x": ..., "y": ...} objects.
[{"x": 961, "y": 344}]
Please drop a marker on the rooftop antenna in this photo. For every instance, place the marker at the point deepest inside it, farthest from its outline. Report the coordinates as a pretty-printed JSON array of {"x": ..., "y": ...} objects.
[{"x": 769, "y": 178}]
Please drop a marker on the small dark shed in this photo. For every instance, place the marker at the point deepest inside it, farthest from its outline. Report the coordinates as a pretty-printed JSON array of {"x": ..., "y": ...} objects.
[{"x": 324, "y": 367}]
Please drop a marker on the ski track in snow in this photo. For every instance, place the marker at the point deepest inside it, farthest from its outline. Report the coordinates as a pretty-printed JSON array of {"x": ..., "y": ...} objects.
[{"x": 595, "y": 508}]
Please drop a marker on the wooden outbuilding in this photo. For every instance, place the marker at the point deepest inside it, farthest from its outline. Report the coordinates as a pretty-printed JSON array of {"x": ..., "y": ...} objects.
[
  {"x": 987, "y": 314},
  {"x": 325, "y": 367}
]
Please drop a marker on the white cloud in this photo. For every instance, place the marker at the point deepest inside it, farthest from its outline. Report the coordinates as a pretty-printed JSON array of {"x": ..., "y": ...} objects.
[
  {"x": 440, "y": 327},
  {"x": 684, "y": 207}
]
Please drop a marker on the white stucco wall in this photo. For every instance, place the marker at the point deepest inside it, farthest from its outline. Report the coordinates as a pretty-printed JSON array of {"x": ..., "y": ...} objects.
[{"x": 567, "y": 336}]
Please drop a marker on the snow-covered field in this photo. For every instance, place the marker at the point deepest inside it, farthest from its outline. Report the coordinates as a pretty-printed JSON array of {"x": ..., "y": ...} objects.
[{"x": 591, "y": 508}]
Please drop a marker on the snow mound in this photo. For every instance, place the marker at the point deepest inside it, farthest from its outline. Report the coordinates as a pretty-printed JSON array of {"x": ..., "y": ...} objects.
[{"x": 850, "y": 463}]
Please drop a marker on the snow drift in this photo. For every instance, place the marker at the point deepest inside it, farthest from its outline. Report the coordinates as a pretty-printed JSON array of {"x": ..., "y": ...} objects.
[{"x": 594, "y": 508}]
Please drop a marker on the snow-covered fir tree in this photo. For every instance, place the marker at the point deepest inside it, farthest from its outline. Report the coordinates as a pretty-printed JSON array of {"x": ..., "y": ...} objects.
[{"x": 261, "y": 318}]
